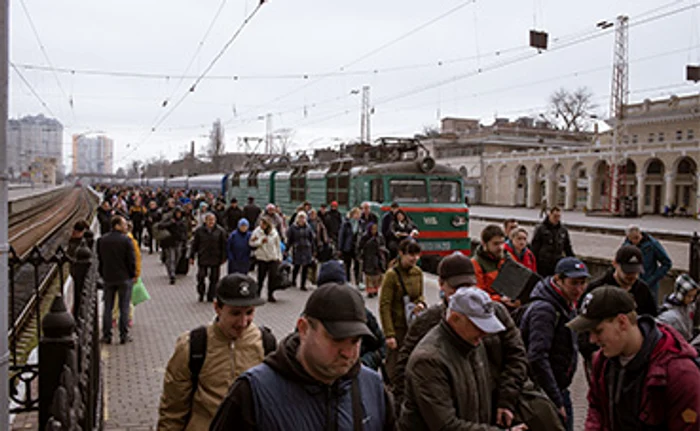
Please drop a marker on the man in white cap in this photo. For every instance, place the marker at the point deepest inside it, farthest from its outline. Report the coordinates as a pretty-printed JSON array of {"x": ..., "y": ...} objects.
[{"x": 452, "y": 360}]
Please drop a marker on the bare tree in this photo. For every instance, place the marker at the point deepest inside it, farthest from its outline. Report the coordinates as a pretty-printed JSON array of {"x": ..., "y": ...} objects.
[
  {"x": 134, "y": 168},
  {"x": 216, "y": 140},
  {"x": 572, "y": 111},
  {"x": 428, "y": 132}
]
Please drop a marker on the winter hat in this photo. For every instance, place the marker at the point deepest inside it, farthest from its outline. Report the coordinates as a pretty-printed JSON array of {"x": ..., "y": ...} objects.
[
  {"x": 684, "y": 285},
  {"x": 332, "y": 271},
  {"x": 243, "y": 222}
]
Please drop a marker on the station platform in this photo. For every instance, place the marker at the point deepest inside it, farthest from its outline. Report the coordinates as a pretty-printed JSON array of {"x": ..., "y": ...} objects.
[{"x": 133, "y": 373}]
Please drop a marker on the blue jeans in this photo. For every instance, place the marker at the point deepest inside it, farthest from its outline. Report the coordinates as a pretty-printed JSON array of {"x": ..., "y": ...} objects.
[
  {"x": 124, "y": 292},
  {"x": 569, "y": 408}
]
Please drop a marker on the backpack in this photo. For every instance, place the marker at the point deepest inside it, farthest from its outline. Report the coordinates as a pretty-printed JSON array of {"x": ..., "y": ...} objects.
[{"x": 198, "y": 349}]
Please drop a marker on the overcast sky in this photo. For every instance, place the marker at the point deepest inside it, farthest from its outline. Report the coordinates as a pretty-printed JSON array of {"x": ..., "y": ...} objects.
[{"x": 428, "y": 74}]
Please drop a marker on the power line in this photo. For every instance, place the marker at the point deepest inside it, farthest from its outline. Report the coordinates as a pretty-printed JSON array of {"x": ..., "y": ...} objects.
[
  {"x": 193, "y": 87},
  {"x": 33, "y": 91},
  {"x": 45, "y": 54}
]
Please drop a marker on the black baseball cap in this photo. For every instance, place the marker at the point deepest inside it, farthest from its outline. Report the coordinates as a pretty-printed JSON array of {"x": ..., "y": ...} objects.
[
  {"x": 238, "y": 290},
  {"x": 395, "y": 204},
  {"x": 457, "y": 270},
  {"x": 629, "y": 257},
  {"x": 570, "y": 267},
  {"x": 341, "y": 310},
  {"x": 602, "y": 303}
]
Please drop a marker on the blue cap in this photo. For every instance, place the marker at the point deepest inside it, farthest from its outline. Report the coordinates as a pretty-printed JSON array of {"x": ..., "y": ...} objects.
[
  {"x": 570, "y": 267},
  {"x": 243, "y": 222}
]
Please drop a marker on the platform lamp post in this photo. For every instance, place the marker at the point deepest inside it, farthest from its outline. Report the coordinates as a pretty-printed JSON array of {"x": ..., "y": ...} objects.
[{"x": 4, "y": 245}]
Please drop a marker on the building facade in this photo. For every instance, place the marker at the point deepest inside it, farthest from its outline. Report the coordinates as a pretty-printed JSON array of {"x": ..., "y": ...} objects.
[
  {"x": 656, "y": 158},
  {"x": 32, "y": 142},
  {"x": 93, "y": 154}
]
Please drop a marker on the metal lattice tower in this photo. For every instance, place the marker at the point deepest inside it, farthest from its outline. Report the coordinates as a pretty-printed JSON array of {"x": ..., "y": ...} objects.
[
  {"x": 618, "y": 99},
  {"x": 269, "y": 137},
  {"x": 365, "y": 117}
]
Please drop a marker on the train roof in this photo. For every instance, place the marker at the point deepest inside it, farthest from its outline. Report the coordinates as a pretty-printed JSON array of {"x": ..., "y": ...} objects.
[{"x": 408, "y": 167}]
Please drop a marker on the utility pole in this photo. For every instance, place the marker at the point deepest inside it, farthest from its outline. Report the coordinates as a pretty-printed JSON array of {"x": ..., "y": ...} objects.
[
  {"x": 618, "y": 100},
  {"x": 364, "y": 117},
  {"x": 4, "y": 245}
]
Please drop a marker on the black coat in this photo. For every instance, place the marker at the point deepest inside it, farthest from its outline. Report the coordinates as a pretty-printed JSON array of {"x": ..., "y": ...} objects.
[
  {"x": 333, "y": 219},
  {"x": 232, "y": 216},
  {"x": 178, "y": 231},
  {"x": 552, "y": 348},
  {"x": 301, "y": 240},
  {"x": 209, "y": 246},
  {"x": 117, "y": 258},
  {"x": 372, "y": 254},
  {"x": 251, "y": 212},
  {"x": 104, "y": 217},
  {"x": 549, "y": 244}
]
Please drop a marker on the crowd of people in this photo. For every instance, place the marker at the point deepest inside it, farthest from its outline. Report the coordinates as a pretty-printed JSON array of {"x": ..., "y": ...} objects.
[{"x": 497, "y": 352}]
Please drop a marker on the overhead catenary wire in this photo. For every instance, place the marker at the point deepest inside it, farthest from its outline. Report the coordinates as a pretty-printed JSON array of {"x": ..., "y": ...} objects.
[{"x": 36, "y": 95}]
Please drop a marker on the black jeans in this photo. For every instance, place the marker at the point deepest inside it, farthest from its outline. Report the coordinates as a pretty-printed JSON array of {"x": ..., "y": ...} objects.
[
  {"x": 124, "y": 292},
  {"x": 304, "y": 274},
  {"x": 350, "y": 260},
  {"x": 265, "y": 270},
  {"x": 213, "y": 272}
]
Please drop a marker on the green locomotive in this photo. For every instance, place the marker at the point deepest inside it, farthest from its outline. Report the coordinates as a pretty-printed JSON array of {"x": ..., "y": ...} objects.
[{"x": 396, "y": 170}]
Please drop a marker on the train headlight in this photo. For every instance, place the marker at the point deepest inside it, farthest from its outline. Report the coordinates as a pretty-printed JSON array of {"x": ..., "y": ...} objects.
[
  {"x": 459, "y": 221},
  {"x": 426, "y": 164}
]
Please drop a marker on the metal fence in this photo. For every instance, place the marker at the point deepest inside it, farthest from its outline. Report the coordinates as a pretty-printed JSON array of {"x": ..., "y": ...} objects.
[{"x": 67, "y": 374}]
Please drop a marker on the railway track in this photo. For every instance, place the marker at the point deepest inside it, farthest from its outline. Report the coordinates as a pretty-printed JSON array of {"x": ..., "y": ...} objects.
[{"x": 33, "y": 274}]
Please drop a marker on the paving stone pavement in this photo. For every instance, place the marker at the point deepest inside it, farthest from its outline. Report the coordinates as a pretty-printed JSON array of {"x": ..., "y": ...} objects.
[{"x": 133, "y": 373}]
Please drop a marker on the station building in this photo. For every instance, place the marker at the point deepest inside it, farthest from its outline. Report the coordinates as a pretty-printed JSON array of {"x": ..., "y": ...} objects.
[{"x": 524, "y": 163}]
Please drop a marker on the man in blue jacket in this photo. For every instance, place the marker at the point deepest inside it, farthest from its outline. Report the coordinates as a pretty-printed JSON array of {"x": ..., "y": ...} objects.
[
  {"x": 552, "y": 348},
  {"x": 655, "y": 259}
]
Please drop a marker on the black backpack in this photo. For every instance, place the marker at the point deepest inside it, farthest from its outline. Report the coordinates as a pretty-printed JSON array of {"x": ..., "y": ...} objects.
[{"x": 198, "y": 349}]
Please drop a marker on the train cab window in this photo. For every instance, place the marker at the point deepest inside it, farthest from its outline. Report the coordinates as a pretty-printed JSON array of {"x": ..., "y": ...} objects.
[
  {"x": 298, "y": 184},
  {"x": 408, "y": 191},
  {"x": 344, "y": 183},
  {"x": 253, "y": 179},
  {"x": 236, "y": 180},
  {"x": 445, "y": 192},
  {"x": 376, "y": 190}
]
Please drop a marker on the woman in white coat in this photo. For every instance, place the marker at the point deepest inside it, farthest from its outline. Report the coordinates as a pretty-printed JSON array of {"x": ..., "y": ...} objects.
[{"x": 268, "y": 254}]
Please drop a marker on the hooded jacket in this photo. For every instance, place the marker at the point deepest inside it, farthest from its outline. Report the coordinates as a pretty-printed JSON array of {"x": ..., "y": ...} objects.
[
  {"x": 659, "y": 389},
  {"x": 372, "y": 254},
  {"x": 448, "y": 384},
  {"x": 238, "y": 252},
  {"x": 268, "y": 251},
  {"x": 679, "y": 316},
  {"x": 550, "y": 243},
  {"x": 552, "y": 348},
  {"x": 260, "y": 398},
  {"x": 526, "y": 258},
  {"x": 209, "y": 245},
  {"x": 181, "y": 407},
  {"x": 486, "y": 268},
  {"x": 654, "y": 259},
  {"x": 301, "y": 240}
]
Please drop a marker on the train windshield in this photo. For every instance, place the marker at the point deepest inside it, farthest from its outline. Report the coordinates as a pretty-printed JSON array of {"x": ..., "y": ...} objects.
[
  {"x": 408, "y": 191},
  {"x": 445, "y": 192}
]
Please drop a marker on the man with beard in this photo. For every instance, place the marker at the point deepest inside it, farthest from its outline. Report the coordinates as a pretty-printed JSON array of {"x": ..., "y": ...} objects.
[
  {"x": 314, "y": 380},
  {"x": 208, "y": 359}
]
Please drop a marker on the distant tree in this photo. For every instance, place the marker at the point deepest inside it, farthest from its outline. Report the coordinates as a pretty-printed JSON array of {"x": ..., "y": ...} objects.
[
  {"x": 428, "y": 132},
  {"x": 571, "y": 111},
  {"x": 216, "y": 140},
  {"x": 121, "y": 173},
  {"x": 134, "y": 168}
]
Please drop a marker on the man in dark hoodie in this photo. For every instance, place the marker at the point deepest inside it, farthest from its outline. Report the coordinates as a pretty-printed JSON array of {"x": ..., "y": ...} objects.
[
  {"x": 645, "y": 376},
  {"x": 550, "y": 243},
  {"x": 624, "y": 274},
  {"x": 315, "y": 379},
  {"x": 552, "y": 348}
]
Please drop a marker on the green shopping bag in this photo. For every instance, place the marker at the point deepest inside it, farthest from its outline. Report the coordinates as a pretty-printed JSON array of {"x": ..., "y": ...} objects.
[{"x": 139, "y": 293}]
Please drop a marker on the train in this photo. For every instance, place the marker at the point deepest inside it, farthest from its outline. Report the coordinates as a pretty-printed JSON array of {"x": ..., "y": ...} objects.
[{"x": 402, "y": 171}]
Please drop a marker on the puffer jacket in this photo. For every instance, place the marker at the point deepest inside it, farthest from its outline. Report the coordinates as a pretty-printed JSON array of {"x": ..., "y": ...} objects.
[
  {"x": 238, "y": 250},
  {"x": 526, "y": 258},
  {"x": 448, "y": 384},
  {"x": 505, "y": 351},
  {"x": 268, "y": 251},
  {"x": 660, "y": 386},
  {"x": 224, "y": 362},
  {"x": 301, "y": 240},
  {"x": 177, "y": 226},
  {"x": 655, "y": 260},
  {"x": 391, "y": 306},
  {"x": 372, "y": 254},
  {"x": 486, "y": 268},
  {"x": 679, "y": 316},
  {"x": 549, "y": 244},
  {"x": 552, "y": 348}
]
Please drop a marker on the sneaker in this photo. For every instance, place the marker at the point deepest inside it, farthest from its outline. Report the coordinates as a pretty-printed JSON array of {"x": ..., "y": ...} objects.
[
  {"x": 304, "y": 288},
  {"x": 172, "y": 280},
  {"x": 201, "y": 298},
  {"x": 106, "y": 340},
  {"x": 126, "y": 339}
]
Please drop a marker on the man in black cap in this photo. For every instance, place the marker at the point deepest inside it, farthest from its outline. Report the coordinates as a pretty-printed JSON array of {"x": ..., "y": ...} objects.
[
  {"x": 645, "y": 375},
  {"x": 208, "y": 359},
  {"x": 251, "y": 212},
  {"x": 314, "y": 379},
  {"x": 232, "y": 215},
  {"x": 624, "y": 273}
]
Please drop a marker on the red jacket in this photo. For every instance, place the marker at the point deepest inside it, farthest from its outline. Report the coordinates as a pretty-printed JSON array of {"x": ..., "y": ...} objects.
[
  {"x": 528, "y": 260},
  {"x": 671, "y": 392}
]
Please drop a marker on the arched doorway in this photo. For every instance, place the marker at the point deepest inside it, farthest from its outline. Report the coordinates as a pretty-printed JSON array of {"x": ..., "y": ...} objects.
[
  {"x": 654, "y": 186},
  {"x": 628, "y": 179},
  {"x": 579, "y": 176},
  {"x": 540, "y": 184},
  {"x": 601, "y": 186},
  {"x": 559, "y": 183},
  {"x": 686, "y": 183},
  {"x": 505, "y": 183},
  {"x": 521, "y": 186}
]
